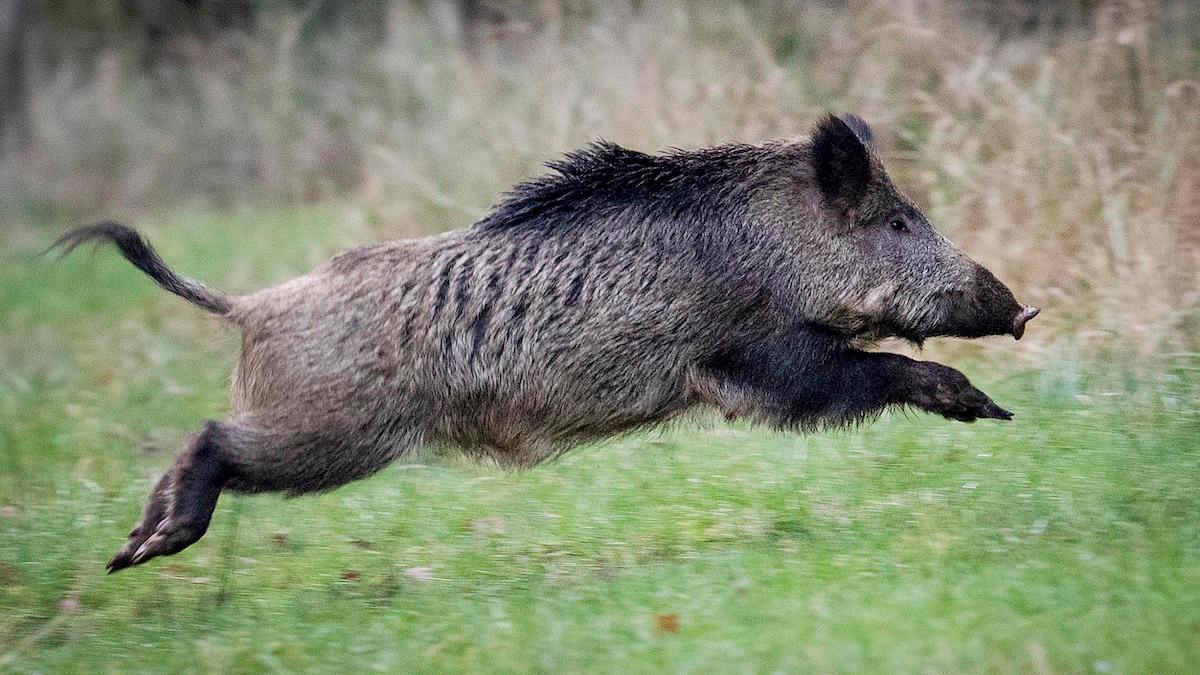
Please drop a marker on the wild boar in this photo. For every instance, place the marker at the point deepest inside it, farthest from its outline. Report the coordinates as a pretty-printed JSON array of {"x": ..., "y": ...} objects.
[{"x": 619, "y": 291}]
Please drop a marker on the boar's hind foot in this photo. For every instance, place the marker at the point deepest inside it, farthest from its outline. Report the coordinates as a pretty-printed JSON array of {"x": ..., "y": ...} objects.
[
  {"x": 945, "y": 391},
  {"x": 181, "y": 504}
]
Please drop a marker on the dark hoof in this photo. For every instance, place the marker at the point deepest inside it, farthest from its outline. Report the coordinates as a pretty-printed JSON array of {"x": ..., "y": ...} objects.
[
  {"x": 995, "y": 412},
  {"x": 169, "y": 538},
  {"x": 167, "y": 527},
  {"x": 948, "y": 393}
]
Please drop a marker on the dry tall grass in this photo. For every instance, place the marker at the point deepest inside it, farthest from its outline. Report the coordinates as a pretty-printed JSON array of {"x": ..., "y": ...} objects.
[{"x": 1067, "y": 159}]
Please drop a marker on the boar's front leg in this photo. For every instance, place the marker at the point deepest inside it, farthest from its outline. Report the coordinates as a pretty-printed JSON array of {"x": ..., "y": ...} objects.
[
  {"x": 810, "y": 378},
  {"x": 943, "y": 390}
]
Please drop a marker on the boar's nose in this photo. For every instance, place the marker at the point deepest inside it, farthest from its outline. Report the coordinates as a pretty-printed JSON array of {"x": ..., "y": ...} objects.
[{"x": 1022, "y": 318}]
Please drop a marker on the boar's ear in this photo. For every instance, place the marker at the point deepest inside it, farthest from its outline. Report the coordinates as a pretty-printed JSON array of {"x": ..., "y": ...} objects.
[
  {"x": 860, "y": 128},
  {"x": 841, "y": 162}
]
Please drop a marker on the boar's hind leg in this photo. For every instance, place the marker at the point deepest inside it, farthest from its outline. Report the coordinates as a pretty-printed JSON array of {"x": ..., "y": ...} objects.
[
  {"x": 242, "y": 459},
  {"x": 315, "y": 460},
  {"x": 182, "y": 502}
]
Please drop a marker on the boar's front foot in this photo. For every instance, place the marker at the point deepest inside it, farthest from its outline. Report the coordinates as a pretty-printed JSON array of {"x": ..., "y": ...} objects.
[
  {"x": 945, "y": 391},
  {"x": 180, "y": 506}
]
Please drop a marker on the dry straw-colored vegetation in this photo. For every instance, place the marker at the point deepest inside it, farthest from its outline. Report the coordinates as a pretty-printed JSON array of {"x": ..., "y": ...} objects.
[{"x": 1065, "y": 154}]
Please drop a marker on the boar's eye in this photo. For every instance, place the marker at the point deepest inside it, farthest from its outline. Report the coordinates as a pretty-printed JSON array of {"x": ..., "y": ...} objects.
[{"x": 898, "y": 225}]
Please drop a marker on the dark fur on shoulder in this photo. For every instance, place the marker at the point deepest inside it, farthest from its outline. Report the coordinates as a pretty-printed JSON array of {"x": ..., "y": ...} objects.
[{"x": 618, "y": 292}]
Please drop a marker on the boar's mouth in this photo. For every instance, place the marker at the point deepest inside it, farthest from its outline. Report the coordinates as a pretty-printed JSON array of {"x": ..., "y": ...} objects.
[
  {"x": 956, "y": 318},
  {"x": 985, "y": 323},
  {"x": 988, "y": 308}
]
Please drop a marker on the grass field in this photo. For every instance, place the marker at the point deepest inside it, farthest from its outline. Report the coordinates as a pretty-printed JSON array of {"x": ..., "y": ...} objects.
[{"x": 1065, "y": 541}]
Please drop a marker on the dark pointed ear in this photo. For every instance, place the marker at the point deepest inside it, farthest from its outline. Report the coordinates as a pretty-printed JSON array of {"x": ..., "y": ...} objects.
[
  {"x": 860, "y": 128},
  {"x": 840, "y": 162}
]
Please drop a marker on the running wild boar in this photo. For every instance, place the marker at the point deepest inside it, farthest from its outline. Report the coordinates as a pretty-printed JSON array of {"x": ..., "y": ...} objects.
[{"x": 620, "y": 291}]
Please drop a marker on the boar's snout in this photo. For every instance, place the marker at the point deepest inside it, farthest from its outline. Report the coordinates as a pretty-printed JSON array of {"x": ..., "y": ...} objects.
[
  {"x": 1022, "y": 318},
  {"x": 988, "y": 307}
]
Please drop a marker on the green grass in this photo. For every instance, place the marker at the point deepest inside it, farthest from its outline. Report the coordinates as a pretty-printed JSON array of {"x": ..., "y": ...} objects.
[{"x": 1067, "y": 540}]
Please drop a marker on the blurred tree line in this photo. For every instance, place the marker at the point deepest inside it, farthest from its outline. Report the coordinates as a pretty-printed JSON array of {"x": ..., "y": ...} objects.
[
  {"x": 133, "y": 103},
  {"x": 38, "y": 36}
]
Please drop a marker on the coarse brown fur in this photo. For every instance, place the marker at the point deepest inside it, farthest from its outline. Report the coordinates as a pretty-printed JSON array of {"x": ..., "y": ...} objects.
[{"x": 620, "y": 291}]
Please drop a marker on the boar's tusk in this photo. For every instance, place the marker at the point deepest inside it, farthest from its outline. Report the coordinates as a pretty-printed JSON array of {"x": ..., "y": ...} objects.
[{"x": 1023, "y": 317}]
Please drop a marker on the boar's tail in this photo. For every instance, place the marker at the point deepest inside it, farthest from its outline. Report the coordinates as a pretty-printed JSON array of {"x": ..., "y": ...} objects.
[{"x": 137, "y": 251}]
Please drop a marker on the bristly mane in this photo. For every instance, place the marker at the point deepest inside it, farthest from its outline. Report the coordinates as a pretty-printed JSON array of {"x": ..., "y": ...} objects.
[{"x": 603, "y": 179}]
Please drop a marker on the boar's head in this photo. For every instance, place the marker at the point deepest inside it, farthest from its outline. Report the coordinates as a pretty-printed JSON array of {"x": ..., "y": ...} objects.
[{"x": 870, "y": 263}]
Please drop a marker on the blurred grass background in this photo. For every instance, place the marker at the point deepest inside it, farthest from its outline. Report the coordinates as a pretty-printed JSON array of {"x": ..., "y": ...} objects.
[{"x": 1059, "y": 144}]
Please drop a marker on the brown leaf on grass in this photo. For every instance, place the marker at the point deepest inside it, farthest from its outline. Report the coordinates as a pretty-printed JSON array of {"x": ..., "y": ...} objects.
[
  {"x": 667, "y": 623},
  {"x": 350, "y": 575},
  {"x": 280, "y": 539},
  {"x": 361, "y": 543}
]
